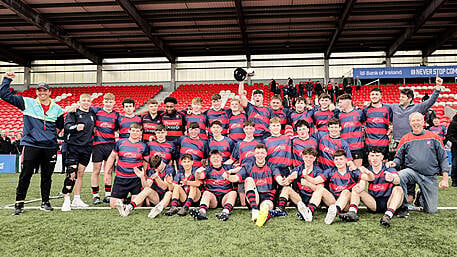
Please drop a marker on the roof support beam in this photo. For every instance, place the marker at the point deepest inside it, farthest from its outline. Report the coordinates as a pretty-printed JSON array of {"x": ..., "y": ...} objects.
[
  {"x": 10, "y": 55},
  {"x": 348, "y": 5},
  {"x": 415, "y": 25},
  {"x": 242, "y": 23},
  {"x": 144, "y": 25},
  {"x": 35, "y": 18},
  {"x": 440, "y": 40}
]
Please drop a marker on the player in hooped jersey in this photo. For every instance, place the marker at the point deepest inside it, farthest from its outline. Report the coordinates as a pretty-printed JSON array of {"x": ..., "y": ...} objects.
[
  {"x": 194, "y": 114},
  {"x": 130, "y": 153},
  {"x": 193, "y": 145},
  {"x": 173, "y": 120},
  {"x": 128, "y": 118},
  {"x": 216, "y": 112},
  {"x": 281, "y": 113},
  {"x": 151, "y": 120},
  {"x": 218, "y": 190},
  {"x": 221, "y": 143},
  {"x": 300, "y": 113},
  {"x": 378, "y": 117},
  {"x": 301, "y": 141},
  {"x": 384, "y": 193},
  {"x": 438, "y": 129},
  {"x": 236, "y": 120},
  {"x": 279, "y": 148},
  {"x": 323, "y": 113},
  {"x": 161, "y": 147},
  {"x": 104, "y": 140}
]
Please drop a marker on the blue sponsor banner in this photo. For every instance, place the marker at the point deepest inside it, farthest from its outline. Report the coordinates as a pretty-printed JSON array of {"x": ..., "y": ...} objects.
[
  {"x": 7, "y": 163},
  {"x": 405, "y": 72}
]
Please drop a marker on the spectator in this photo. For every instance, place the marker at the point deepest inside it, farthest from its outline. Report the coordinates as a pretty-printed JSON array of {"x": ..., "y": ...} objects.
[
  {"x": 358, "y": 83},
  {"x": 430, "y": 115},
  {"x": 5, "y": 142},
  {"x": 309, "y": 88},
  {"x": 451, "y": 136},
  {"x": 318, "y": 88},
  {"x": 331, "y": 91},
  {"x": 301, "y": 89},
  {"x": 16, "y": 147},
  {"x": 274, "y": 87}
]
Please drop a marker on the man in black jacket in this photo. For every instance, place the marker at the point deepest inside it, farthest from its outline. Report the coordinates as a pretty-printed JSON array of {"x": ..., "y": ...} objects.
[
  {"x": 5, "y": 142},
  {"x": 452, "y": 137}
]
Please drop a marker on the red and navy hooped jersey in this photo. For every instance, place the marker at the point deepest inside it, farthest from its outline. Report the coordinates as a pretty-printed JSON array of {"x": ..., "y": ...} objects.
[
  {"x": 379, "y": 187},
  {"x": 298, "y": 145},
  {"x": 321, "y": 118},
  {"x": 327, "y": 147},
  {"x": 301, "y": 173},
  {"x": 439, "y": 130},
  {"x": 338, "y": 182},
  {"x": 261, "y": 117},
  {"x": 235, "y": 126},
  {"x": 202, "y": 120},
  {"x": 263, "y": 177},
  {"x": 221, "y": 116},
  {"x": 130, "y": 155},
  {"x": 244, "y": 151},
  {"x": 174, "y": 123},
  {"x": 167, "y": 171},
  {"x": 377, "y": 125},
  {"x": 149, "y": 125},
  {"x": 214, "y": 182},
  {"x": 181, "y": 176},
  {"x": 279, "y": 150},
  {"x": 124, "y": 125},
  {"x": 105, "y": 125},
  {"x": 351, "y": 128},
  {"x": 283, "y": 115},
  {"x": 294, "y": 117},
  {"x": 198, "y": 148},
  {"x": 165, "y": 150},
  {"x": 225, "y": 146}
]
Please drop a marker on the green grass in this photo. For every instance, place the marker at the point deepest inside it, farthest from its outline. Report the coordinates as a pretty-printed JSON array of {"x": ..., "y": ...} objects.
[{"x": 105, "y": 233}]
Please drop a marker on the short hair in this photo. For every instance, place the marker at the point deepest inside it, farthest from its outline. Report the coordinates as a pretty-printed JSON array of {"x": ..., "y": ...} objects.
[
  {"x": 216, "y": 97},
  {"x": 216, "y": 122},
  {"x": 261, "y": 146},
  {"x": 257, "y": 91},
  {"x": 300, "y": 99},
  {"x": 136, "y": 125},
  {"x": 345, "y": 97},
  {"x": 186, "y": 156},
  {"x": 375, "y": 149},
  {"x": 235, "y": 100},
  {"x": 275, "y": 120},
  {"x": 197, "y": 100},
  {"x": 170, "y": 99},
  {"x": 85, "y": 96},
  {"x": 309, "y": 151},
  {"x": 248, "y": 123},
  {"x": 339, "y": 152},
  {"x": 325, "y": 95},
  {"x": 376, "y": 90},
  {"x": 334, "y": 121},
  {"x": 128, "y": 101},
  {"x": 275, "y": 97},
  {"x": 193, "y": 125},
  {"x": 408, "y": 92},
  {"x": 302, "y": 123},
  {"x": 152, "y": 101},
  {"x": 161, "y": 127},
  {"x": 109, "y": 96},
  {"x": 215, "y": 151},
  {"x": 418, "y": 114},
  {"x": 155, "y": 161}
]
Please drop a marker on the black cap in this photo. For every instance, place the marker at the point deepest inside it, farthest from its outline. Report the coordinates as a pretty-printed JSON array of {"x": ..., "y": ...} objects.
[{"x": 43, "y": 85}]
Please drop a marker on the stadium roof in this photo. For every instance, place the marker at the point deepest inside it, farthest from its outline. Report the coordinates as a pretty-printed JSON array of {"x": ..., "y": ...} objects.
[{"x": 98, "y": 29}]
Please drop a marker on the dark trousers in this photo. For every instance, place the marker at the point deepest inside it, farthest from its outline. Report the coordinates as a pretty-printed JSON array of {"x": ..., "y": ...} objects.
[
  {"x": 33, "y": 155},
  {"x": 454, "y": 164}
]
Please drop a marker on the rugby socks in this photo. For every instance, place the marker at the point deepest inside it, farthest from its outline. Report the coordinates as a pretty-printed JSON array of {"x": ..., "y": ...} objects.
[
  {"x": 338, "y": 210},
  {"x": 174, "y": 202},
  {"x": 188, "y": 203},
  {"x": 95, "y": 191},
  {"x": 312, "y": 207},
  {"x": 203, "y": 208},
  {"x": 282, "y": 203},
  {"x": 77, "y": 197},
  {"x": 227, "y": 208},
  {"x": 250, "y": 195},
  {"x": 107, "y": 190},
  {"x": 390, "y": 212},
  {"x": 131, "y": 206},
  {"x": 353, "y": 208}
]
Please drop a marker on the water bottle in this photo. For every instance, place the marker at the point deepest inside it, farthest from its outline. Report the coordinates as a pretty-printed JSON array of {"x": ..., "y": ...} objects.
[{"x": 415, "y": 208}]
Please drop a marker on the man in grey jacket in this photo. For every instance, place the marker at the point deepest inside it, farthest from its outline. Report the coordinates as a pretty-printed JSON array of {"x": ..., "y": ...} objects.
[{"x": 422, "y": 154}]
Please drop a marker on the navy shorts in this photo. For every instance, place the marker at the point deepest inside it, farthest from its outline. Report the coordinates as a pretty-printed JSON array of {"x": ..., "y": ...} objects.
[
  {"x": 78, "y": 155},
  {"x": 101, "y": 152},
  {"x": 304, "y": 198},
  {"x": 266, "y": 196},
  {"x": 381, "y": 204},
  {"x": 123, "y": 186}
]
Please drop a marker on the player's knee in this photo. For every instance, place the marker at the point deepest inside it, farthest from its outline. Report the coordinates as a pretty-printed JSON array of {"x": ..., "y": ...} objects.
[
  {"x": 249, "y": 183},
  {"x": 397, "y": 190}
]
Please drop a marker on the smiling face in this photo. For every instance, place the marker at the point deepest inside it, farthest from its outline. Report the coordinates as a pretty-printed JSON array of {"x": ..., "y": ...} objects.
[
  {"x": 249, "y": 130},
  {"x": 334, "y": 130},
  {"x": 303, "y": 131},
  {"x": 217, "y": 104},
  {"x": 275, "y": 128},
  {"x": 193, "y": 132},
  {"x": 43, "y": 94},
  {"x": 129, "y": 108},
  {"x": 375, "y": 97},
  {"x": 416, "y": 121},
  {"x": 170, "y": 107},
  {"x": 108, "y": 104},
  {"x": 324, "y": 103},
  {"x": 135, "y": 133},
  {"x": 404, "y": 100},
  {"x": 275, "y": 104},
  {"x": 258, "y": 99},
  {"x": 216, "y": 160},
  {"x": 85, "y": 103},
  {"x": 260, "y": 155},
  {"x": 152, "y": 108},
  {"x": 375, "y": 159},
  {"x": 187, "y": 164},
  {"x": 161, "y": 135},
  {"x": 340, "y": 161}
]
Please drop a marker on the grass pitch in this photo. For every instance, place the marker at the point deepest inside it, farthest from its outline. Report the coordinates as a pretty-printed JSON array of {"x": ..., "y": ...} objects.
[{"x": 105, "y": 233}]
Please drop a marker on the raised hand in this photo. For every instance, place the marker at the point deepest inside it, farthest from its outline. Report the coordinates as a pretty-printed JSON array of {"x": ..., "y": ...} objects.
[{"x": 10, "y": 75}]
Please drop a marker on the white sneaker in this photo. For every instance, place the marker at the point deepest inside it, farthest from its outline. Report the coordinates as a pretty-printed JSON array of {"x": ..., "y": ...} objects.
[
  {"x": 78, "y": 204},
  {"x": 155, "y": 211},
  {"x": 331, "y": 214},
  {"x": 305, "y": 212},
  {"x": 66, "y": 206},
  {"x": 123, "y": 210},
  {"x": 255, "y": 215}
]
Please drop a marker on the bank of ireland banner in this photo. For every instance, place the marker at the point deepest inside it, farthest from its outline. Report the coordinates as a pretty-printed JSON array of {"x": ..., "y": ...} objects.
[
  {"x": 405, "y": 72},
  {"x": 7, "y": 163}
]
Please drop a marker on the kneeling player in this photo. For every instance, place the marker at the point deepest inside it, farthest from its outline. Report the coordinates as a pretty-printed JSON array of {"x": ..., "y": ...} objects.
[
  {"x": 259, "y": 185},
  {"x": 309, "y": 195},
  {"x": 383, "y": 196},
  {"x": 218, "y": 190},
  {"x": 155, "y": 188},
  {"x": 186, "y": 187}
]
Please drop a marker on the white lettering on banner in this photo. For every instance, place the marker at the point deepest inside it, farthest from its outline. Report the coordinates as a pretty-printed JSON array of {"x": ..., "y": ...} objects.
[{"x": 2, "y": 165}]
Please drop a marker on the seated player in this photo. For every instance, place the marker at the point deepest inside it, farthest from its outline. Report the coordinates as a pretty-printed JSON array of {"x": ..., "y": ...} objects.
[
  {"x": 160, "y": 146},
  {"x": 309, "y": 194},
  {"x": 301, "y": 141},
  {"x": 218, "y": 190},
  {"x": 223, "y": 144},
  {"x": 155, "y": 188},
  {"x": 384, "y": 193},
  {"x": 260, "y": 190},
  {"x": 192, "y": 144},
  {"x": 130, "y": 153},
  {"x": 186, "y": 187}
]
